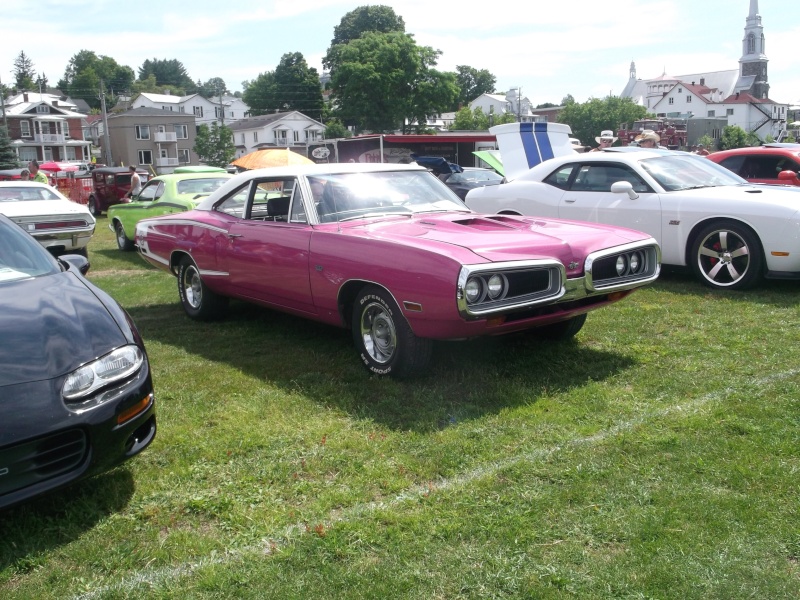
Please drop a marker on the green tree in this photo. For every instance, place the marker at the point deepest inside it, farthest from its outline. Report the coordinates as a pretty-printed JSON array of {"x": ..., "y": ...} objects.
[
  {"x": 752, "y": 139},
  {"x": 588, "y": 119},
  {"x": 378, "y": 19},
  {"x": 213, "y": 87},
  {"x": 8, "y": 158},
  {"x": 707, "y": 141},
  {"x": 169, "y": 73},
  {"x": 733, "y": 136},
  {"x": 260, "y": 95},
  {"x": 297, "y": 86},
  {"x": 472, "y": 83},
  {"x": 24, "y": 75},
  {"x": 568, "y": 99},
  {"x": 334, "y": 129},
  {"x": 148, "y": 85},
  {"x": 547, "y": 105},
  {"x": 384, "y": 79},
  {"x": 214, "y": 145},
  {"x": 86, "y": 70}
]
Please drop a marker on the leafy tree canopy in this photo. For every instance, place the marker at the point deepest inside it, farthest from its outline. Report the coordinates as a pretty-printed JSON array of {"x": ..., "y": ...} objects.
[
  {"x": 385, "y": 79},
  {"x": 213, "y": 87},
  {"x": 588, "y": 119},
  {"x": 169, "y": 73},
  {"x": 733, "y": 136},
  {"x": 472, "y": 83},
  {"x": 293, "y": 85},
  {"x": 377, "y": 18},
  {"x": 477, "y": 120},
  {"x": 546, "y": 105},
  {"x": 214, "y": 145},
  {"x": 86, "y": 70},
  {"x": 334, "y": 128}
]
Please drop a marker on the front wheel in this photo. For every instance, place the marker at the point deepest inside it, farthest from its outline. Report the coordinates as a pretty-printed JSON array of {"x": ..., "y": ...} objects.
[
  {"x": 727, "y": 255},
  {"x": 197, "y": 300},
  {"x": 123, "y": 243},
  {"x": 93, "y": 208},
  {"x": 383, "y": 337}
]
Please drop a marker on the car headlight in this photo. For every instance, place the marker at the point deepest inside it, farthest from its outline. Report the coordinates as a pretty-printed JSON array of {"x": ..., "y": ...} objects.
[
  {"x": 621, "y": 265},
  {"x": 496, "y": 286},
  {"x": 115, "y": 366},
  {"x": 636, "y": 262},
  {"x": 473, "y": 289}
]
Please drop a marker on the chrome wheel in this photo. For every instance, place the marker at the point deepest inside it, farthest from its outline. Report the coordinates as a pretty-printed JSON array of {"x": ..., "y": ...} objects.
[
  {"x": 378, "y": 333},
  {"x": 727, "y": 255},
  {"x": 192, "y": 287}
]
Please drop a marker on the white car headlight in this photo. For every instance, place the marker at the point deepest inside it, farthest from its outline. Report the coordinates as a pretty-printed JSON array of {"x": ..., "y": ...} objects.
[
  {"x": 473, "y": 289},
  {"x": 115, "y": 366}
]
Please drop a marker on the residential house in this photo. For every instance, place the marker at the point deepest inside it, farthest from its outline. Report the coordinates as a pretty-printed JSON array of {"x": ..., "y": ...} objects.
[
  {"x": 205, "y": 110},
  {"x": 500, "y": 104},
  {"x": 277, "y": 130},
  {"x": 152, "y": 138},
  {"x": 46, "y": 127},
  {"x": 228, "y": 109}
]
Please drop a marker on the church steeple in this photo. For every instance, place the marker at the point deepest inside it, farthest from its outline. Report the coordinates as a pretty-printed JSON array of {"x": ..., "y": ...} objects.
[
  {"x": 633, "y": 71},
  {"x": 754, "y": 60}
]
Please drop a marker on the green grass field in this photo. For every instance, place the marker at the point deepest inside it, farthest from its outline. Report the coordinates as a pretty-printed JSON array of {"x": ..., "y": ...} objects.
[{"x": 657, "y": 455}]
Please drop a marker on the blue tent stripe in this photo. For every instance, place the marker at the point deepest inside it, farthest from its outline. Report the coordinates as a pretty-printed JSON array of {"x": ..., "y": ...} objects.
[{"x": 543, "y": 141}]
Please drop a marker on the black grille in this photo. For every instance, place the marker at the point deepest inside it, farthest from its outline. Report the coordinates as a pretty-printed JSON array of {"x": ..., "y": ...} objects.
[
  {"x": 41, "y": 459},
  {"x": 604, "y": 270}
]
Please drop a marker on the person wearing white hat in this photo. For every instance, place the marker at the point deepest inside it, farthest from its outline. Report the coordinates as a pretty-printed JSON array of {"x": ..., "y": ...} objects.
[
  {"x": 605, "y": 139},
  {"x": 648, "y": 139}
]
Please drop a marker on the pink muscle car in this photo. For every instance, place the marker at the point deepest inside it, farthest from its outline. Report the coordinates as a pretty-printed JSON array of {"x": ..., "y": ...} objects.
[{"x": 391, "y": 253}]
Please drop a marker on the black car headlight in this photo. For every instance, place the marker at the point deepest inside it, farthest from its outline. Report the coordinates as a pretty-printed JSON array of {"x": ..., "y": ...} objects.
[{"x": 114, "y": 366}]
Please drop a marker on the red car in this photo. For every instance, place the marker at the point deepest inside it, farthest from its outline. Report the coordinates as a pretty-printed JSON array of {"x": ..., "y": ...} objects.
[
  {"x": 771, "y": 163},
  {"x": 391, "y": 253}
]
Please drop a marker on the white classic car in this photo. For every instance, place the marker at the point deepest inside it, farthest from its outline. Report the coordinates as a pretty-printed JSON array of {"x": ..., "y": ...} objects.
[
  {"x": 731, "y": 233},
  {"x": 57, "y": 223}
]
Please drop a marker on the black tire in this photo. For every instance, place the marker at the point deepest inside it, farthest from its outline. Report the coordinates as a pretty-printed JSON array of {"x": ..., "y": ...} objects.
[
  {"x": 92, "y": 205},
  {"x": 383, "y": 337},
  {"x": 727, "y": 255},
  {"x": 123, "y": 243},
  {"x": 197, "y": 300},
  {"x": 562, "y": 330}
]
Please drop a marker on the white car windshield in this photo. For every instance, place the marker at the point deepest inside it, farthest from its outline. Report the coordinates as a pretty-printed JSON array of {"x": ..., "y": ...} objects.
[
  {"x": 22, "y": 194},
  {"x": 344, "y": 196},
  {"x": 686, "y": 172}
]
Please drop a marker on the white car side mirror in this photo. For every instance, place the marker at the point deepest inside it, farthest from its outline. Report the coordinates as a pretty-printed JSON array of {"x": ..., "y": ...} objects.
[{"x": 624, "y": 187}]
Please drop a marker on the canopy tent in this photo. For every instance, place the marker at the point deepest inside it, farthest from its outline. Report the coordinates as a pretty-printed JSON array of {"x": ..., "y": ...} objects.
[{"x": 57, "y": 166}]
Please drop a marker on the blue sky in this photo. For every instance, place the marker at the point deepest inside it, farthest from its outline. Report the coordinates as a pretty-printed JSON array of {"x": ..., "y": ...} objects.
[{"x": 578, "y": 47}]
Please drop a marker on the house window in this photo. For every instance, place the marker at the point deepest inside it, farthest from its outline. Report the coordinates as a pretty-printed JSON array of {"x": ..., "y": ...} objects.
[
  {"x": 43, "y": 108},
  {"x": 65, "y": 128},
  {"x": 166, "y": 108},
  {"x": 181, "y": 132},
  {"x": 296, "y": 136},
  {"x": 183, "y": 156},
  {"x": 312, "y": 135},
  {"x": 712, "y": 113},
  {"x": 218, "y": 112},
  {"x": 729, "y": 112},
  {"x": 751, "y": 44},
  {"x": 25, "y": 128},
  {"x": 672, "y": 100},
  {"x": 255, "y": 137},
  {"x": 242, "y": 139},
  {"x": 181, "y": 109},
  {"x": 680, "y": 90},
  {"x": 280, "y": 137},
  {"x": 142, "y": 133},
  {"x": 198, "y": 111},
  {"x": 689, "y": 99},
  {"x": 145, "y": 157},
  {"x": 26, "y": 154}
]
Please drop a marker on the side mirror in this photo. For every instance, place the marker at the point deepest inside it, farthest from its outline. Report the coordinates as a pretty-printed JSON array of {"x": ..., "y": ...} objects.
[
  {"x": 76, "y": 261},
  {"x": 624, "y": 187},
  {"x": 788, "y": 176}
]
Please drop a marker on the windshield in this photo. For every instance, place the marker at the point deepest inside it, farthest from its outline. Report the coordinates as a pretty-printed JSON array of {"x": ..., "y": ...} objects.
[
  {"x": 23, "y": 194},
  {"x": 21, "y": 256},
  {"x": 204, "y": 185},
  {"x": 345, "y": 196},
  {"x": 685, "y": 172}
]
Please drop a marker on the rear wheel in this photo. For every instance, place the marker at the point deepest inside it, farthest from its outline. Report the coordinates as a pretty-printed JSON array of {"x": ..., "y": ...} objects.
[
  {"x": 563, "y": 330},
  {"x": 123, "y": 243},
  {"x": 383, "y": 337},
  {"x": 727, "y": 255},
  {"x": 197, "y": 300},
  {"x": 93, "y": 207}
]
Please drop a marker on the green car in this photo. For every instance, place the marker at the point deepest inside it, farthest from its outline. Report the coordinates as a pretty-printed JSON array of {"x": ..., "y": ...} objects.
[{"x": 161, "y": 195}]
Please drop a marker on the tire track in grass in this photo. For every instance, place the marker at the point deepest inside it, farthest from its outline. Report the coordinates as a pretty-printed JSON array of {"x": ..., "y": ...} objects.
[{"x": 151, "y": 578}]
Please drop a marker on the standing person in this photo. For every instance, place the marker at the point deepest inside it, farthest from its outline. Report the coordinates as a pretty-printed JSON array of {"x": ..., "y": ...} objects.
[
  {"x": 25, "y": 175},
  {"x": 701, "y": 150},
  {"x": 35, "y": 174},
  {"x": 648, "y": 139},
  {"x": 606, "y": 139},
  {"x": 136, "y": 183}
]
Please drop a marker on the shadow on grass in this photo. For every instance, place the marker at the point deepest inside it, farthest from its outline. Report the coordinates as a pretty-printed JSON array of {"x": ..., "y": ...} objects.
[
  {"x": 465, "y": 381},
  {"x": 31, "y": 530}
]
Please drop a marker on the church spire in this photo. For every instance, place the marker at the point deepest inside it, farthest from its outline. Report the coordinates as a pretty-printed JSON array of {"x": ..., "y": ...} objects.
[{"x": 754, "y": 59}]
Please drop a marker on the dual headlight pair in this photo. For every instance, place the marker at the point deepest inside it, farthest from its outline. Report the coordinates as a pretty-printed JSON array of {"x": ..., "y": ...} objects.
[
  {"x": 482, "y": 287},
  {"x": 629, "y": 264}
]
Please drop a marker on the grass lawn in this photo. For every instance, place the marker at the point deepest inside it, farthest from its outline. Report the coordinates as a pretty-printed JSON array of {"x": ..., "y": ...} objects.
[{"x": 657, "y": 455}]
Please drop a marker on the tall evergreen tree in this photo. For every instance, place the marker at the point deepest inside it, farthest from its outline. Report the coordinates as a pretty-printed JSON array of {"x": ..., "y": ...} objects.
[
  {"x": 169, "y": 73},
  {"x": 24, "y": 74},
  {"x": 8, "y": 158}
]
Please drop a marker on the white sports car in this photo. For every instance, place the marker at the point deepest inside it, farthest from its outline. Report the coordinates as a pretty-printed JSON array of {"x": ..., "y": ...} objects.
[
  {"x": 57, "y": 223},
  {"x": 730, "y": 232}
]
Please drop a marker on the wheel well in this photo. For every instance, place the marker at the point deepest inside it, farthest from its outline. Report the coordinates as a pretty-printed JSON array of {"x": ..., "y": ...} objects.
[
  {"x": 347, "y": 296},
  {"x": 175, "y": 261},
  {"x": 690, "y": 240}
]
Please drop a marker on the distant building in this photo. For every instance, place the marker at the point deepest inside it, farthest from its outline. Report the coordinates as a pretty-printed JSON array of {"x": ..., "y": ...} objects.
[{"x": 292, "y": 130}]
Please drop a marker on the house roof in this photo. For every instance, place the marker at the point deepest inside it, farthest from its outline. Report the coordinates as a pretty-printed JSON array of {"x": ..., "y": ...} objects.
[
  {"x": 166, "y": 98},
  {"x": 263, "y": 120},
  {"x": 146, "y": 111},
  {"x": 745, "y": 98}
]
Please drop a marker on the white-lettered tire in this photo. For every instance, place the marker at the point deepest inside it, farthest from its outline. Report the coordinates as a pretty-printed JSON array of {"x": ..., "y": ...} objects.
[
  {"x": 383, "y": 337},
  {"x": 727, "y": 255},
  {"x": 197, "y": 300},
  {"x": 123, "y": 243}
]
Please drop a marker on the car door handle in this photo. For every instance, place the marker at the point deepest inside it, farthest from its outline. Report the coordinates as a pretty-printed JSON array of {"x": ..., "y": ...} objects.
[
  {"x": 569, "y": 200},
  {"x": 234, "y": 235}
]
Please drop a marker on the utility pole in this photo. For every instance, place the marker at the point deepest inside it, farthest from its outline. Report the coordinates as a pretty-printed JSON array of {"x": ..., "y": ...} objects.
[
  {"x": 3, "y": 106},
  {"x": 109, "y": 160},
  {"x": 221, "y": 108}
]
